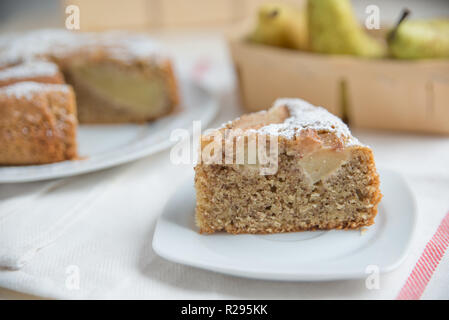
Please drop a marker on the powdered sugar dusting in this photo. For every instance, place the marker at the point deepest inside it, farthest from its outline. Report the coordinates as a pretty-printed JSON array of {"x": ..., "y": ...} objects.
[
  {"x": 47, "y": 43},
  {"x": 304, "y": 115},
  {"x": 39, "y": 44},
  {"x": 127, "y": 46},
  {"x": 28, "y": 89},
  {"x": 29, "y": 69}
]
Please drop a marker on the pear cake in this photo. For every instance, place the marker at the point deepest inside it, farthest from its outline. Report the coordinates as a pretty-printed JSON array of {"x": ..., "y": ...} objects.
[
  {"x": 325, "y": 178},
  {"x": 114, "y": 77}
]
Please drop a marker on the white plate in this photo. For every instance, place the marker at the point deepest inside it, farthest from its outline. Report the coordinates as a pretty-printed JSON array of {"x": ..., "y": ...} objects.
[
  {"x": 105, "y": 146},
  {"x": 301, "y": 256}
]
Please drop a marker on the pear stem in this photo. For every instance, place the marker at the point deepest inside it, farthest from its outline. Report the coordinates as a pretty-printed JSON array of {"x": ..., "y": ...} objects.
[{"x": 404, "y": 14}]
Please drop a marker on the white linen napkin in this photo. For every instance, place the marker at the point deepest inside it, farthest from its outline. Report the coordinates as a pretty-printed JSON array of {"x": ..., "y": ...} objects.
[{"x": 34, "y": 215}]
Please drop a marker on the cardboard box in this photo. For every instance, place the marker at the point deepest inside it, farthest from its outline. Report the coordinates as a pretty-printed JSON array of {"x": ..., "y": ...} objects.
[{"x": 381, "y": 94}]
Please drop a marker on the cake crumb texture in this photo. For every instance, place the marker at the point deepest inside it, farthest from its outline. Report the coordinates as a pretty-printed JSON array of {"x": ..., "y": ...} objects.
[{"x": 327, "y": 182}]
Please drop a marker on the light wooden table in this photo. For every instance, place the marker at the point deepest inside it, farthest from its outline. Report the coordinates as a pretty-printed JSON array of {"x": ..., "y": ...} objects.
[{"x": 6, "y": 294}]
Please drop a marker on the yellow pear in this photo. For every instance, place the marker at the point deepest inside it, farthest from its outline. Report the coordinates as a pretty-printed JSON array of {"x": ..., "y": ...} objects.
[
  {"x": 334, "y": 29},
  {"x": 281, "y": 25},
  {"x": 419, "y": 39}
]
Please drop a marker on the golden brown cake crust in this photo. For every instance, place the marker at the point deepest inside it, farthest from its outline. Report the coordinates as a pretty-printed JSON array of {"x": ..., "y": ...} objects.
[
  {"x": 37, "y": 124},
  {"x": 56, "y": 79},
  {"x": 326, "y": 178}
]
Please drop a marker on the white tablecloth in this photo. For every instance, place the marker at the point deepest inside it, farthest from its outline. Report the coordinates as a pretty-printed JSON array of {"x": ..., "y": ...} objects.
[{"x": 90, "y": 236}]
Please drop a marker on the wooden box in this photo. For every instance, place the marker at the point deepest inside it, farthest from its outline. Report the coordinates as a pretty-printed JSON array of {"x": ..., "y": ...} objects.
[{"x": 380, "y": 93}]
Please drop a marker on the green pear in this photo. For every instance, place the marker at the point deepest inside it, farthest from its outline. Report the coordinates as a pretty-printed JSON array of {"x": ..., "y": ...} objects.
[
  {"x": 420, "y": 39},
  {"x": 334, "y": 29},
  {"x": 281, "y": 25}
]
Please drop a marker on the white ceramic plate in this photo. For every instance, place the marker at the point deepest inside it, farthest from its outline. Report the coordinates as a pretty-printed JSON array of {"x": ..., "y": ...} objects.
[
  {"x": 301, "y": 256},
  {"x": 105, "y": 146}
]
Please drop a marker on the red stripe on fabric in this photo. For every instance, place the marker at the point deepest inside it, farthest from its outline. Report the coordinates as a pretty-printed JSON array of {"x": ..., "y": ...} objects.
[{"x": 425, "y": 267}]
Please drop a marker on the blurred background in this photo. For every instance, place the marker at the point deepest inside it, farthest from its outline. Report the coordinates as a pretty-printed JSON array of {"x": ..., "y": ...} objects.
[
  {"x": 18, "y": 15},
  {"x": 384, "y": 93}
]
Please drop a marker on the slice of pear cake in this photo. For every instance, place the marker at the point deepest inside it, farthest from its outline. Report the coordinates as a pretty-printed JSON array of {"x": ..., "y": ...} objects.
[{"x": 323, "y": 177}]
